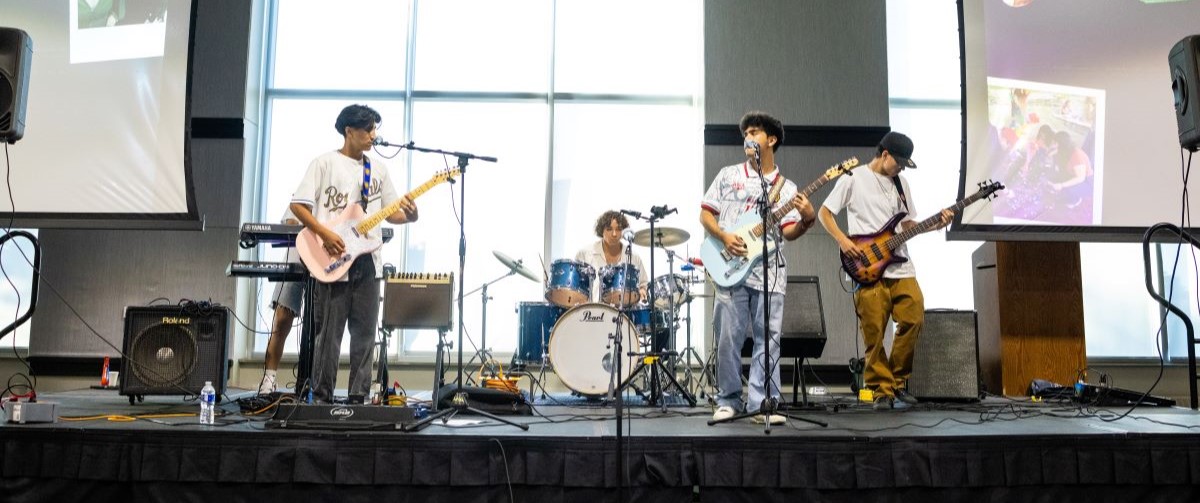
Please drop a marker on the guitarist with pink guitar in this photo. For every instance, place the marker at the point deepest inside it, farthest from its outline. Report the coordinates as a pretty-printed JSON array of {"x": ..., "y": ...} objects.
[
  {"x": 338, "y": 189},
  {"x": 871, "y": 199}
]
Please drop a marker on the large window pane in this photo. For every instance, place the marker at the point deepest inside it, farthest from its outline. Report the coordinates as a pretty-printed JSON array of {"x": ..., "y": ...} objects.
[
  {"x": 505, "y": 210},
  {"x": 922, "y": 47},
  {"x": 1119, "y": 318},
  {"x": 350, "y": 44},
  {"x": 483, "y": 45},
  {"x": 627, "y": 157},
  {"x": 16, "y": 257},
  {"x": 602, "y": 47}
]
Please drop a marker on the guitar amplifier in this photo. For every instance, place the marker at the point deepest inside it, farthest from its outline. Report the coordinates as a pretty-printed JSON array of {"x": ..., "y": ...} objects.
[{"x": 418, "y": 300}]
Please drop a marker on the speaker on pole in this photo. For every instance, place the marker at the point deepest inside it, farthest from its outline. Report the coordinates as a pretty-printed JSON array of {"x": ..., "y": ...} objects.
[
  {"x": 803, "y": 333},
  {"x": 170, "y": 350},
  {"x": 1185, "y": 85},
  {"x": 16, "y": 49},
  {"x": 946, "y": 359}
]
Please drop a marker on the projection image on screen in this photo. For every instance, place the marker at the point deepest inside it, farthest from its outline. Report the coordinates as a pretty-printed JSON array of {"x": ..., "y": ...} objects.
[
  {"x": 105, "y": 141},
  {"x": 1068, "y": 103}
]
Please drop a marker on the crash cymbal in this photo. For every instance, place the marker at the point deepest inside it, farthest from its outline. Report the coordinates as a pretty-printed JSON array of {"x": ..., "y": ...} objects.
[
  {"x": 667, "y": 236},
  {"x": 516, "y": 266}
]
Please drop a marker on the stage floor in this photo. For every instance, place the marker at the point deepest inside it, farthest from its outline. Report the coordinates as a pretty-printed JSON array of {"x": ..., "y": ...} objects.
[{"x": 997, "y": 448}]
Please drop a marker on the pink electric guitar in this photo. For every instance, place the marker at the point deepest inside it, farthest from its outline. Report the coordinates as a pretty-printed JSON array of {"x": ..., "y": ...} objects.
[{"x": 352, "y": 225}]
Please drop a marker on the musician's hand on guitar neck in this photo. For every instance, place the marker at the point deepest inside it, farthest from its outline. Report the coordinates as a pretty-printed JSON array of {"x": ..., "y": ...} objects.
[
  {"x": 331, "y": 242},
  {"x": 734, "y": 244},
  {"x": 947, "y": 217}
]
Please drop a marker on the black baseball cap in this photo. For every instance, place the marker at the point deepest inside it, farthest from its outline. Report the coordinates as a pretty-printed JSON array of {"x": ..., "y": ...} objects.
[{"x": 900, "y": 147}]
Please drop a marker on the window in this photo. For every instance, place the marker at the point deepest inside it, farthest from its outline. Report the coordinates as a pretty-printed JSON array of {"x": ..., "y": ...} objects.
[{"x": 577, "y": 127}]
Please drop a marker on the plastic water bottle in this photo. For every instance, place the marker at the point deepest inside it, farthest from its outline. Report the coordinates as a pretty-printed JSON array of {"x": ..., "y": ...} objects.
[{"x": 208, "y": 404}]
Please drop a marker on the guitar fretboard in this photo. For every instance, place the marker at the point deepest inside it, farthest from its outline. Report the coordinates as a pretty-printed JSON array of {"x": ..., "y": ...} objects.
[
  {"x": 932, "y": 222},
  {"x": 374, "y": 219}
]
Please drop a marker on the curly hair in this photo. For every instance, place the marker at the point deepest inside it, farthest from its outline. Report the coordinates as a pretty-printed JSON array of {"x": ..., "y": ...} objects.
[
  {"x": 768, "y": 124},
  {"x": 609, "y": 216}
]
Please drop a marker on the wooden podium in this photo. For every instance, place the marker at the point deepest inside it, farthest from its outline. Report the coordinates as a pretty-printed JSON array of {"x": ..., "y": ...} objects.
[{"x": 1029, "y": 296}]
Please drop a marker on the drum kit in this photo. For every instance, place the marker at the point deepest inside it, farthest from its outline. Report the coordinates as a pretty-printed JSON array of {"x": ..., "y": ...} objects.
[{"x": 572, "y": 332}]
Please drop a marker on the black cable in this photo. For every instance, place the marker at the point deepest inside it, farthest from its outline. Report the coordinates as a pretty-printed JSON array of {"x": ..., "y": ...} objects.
[{"x": 507, "y": 476}]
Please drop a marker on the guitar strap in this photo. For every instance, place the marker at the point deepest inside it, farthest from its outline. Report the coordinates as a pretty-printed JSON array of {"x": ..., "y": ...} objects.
[
  {"x": 776, "y": 188},
  {"x": 366, "y": 185},
  {"x": 900, "y": 191}
]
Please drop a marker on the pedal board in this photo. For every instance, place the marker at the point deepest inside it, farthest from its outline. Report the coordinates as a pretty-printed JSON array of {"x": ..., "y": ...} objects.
[{"x": 347, "y": 417}]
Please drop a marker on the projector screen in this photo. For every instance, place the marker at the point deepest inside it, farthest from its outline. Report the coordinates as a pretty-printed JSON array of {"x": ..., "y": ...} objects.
[
  {"x": 1068, "y": 103},
  {"x": 105, "y": 142}
]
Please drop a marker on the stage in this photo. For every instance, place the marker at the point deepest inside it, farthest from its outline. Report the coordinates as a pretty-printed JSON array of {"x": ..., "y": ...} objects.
[{"x": 999, "y": 449}]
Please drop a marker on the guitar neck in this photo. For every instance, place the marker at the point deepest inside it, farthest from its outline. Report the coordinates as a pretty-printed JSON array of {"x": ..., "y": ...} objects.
[
  {"x": 778, "y": 214},
  {"x": 932, "y": 222},
  {"x": 374, "y": 219}
]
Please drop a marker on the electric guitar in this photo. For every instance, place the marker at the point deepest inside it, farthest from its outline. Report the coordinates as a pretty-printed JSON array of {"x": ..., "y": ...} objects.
[
  {"x": 880, "y": 246},
  {"x": 728, "y": 270},
  {"x": 352, "y": 225}
]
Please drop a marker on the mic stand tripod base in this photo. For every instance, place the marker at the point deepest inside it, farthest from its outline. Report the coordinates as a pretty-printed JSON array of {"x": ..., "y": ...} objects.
[
  {"x": 460, "y": 403},
  {"x": 769, "y": 407}
]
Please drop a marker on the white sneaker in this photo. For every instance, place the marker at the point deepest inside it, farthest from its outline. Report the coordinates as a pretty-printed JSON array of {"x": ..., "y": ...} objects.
[
  {"x": 723, "y": 412},
  {"x": 267, "y": 386},
  {"x": 775, "y": 419}
]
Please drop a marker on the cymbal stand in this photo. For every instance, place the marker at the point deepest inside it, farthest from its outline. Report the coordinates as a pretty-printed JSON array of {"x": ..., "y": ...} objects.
[
  {"x": 689, "y": 351},
  {"x": 653, "y": 358},
  {"x": 541, "y": 377},
  {"x": 461, "y": 402},
  {"x": 483, "y": 352}
]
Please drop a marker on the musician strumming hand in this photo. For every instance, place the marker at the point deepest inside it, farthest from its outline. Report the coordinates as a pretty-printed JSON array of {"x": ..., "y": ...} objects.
[
  {"x": 738, "y": 312},
  {"x": 335, "y": 180},
  {"x": 871, "y": 198}
]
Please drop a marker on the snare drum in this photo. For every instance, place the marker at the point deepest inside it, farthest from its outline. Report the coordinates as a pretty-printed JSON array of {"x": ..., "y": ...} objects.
[
  {"x": 535, "y": 323},
  {"x": 580, "y": 350},
  {"x": 570, "y": 283},
  {"x": 619, "y": 285},
  {"x": 670, "y": 288}
]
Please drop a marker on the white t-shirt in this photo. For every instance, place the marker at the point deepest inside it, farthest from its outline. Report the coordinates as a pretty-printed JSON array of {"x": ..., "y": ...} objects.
[
  {"x": 594, "y": 256},
  {"x": 334, "y": 181},
  {"x": 871, "y": 200},
  {"x": 735, "y": 192}
]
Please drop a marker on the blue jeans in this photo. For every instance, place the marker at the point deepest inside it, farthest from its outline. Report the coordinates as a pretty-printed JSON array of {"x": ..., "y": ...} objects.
[{"x": 738, "y": 315}]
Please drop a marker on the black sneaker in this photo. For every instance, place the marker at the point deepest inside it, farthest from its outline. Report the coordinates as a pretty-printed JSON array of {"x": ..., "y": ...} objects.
[
  {"x": 904, "y": 396},
  {"x": 882, "y": 402}
]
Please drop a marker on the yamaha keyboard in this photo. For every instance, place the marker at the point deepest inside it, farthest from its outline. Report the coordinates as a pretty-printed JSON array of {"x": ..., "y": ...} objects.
[
  {"x": 272, "y": 271},
  {"x": 254, "y": 234}
]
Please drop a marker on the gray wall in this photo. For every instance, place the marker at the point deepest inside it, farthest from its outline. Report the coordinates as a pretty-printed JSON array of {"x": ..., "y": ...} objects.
[
  {"x": 807, "y": 64},
  {"x": 99, "y": 272}
]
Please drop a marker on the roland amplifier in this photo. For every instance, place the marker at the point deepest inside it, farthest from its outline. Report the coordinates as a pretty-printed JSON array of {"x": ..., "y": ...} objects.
[
  {"x": 418, "y": 300},
  {"x": 170, "y": 350}
]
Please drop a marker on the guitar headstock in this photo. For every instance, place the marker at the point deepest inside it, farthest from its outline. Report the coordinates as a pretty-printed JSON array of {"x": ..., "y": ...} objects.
[
  {"x": 988, "y": 189},
  {"x": 841, "y": 168},
  {"x": 446, "y": 175}
]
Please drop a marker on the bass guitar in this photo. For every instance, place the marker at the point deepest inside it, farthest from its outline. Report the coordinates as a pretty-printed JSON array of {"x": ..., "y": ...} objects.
[
  {"x": 879, "y": 247},
  {"x": 353, "y": 225},
  {"x": 728, "y": 270}
]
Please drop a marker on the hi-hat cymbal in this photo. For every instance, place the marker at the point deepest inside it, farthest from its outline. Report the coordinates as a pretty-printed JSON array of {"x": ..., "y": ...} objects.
[
  {"x": 666, "y": 236},
  {"x": 516, "y": 266}
]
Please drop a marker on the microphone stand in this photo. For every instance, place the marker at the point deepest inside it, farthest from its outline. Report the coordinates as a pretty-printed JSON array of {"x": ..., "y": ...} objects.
[
  {"x": 770, "y": 404},
  {"x": 460, "y": 402},
  {"x": 615, "y": 389}
]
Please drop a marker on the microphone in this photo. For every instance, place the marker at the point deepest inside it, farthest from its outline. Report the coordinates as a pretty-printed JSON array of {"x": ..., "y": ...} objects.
[
  {"x": 380, "y": 142},
  {"x": 751, "y": 144},
  {"x": 662, "y": 211},
  {"x": 627, "y": 236},
  {"x": 633, "y": 214}
]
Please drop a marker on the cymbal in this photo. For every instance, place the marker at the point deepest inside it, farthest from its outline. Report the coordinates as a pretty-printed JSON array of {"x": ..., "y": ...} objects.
[
  {"x": 516, "y": 266},
  {"x": 667, "y": 236}
]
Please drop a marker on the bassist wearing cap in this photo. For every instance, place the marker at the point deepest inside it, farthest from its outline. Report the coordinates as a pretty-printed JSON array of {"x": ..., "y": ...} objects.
[{"x": 872, "y": 201}]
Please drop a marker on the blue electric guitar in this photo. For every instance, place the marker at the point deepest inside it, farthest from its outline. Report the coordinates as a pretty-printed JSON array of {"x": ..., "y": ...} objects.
[{"x": 728, "y": 270}]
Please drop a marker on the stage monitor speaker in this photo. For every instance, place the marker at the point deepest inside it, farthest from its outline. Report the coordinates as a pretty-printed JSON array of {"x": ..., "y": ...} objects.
[
  {"x": 946, "y": 359},
  {"x": 16, "y": 49},
  {"x": 1185, "y": 84},
  {"x": 803, "y": 333},
  {"x": 172, "y": 350},
  {"x": 418, "y": 300}
]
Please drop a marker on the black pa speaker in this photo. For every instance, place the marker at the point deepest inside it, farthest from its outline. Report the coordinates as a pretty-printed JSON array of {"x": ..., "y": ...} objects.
[
  {"x": 170, "y": 350},
  {"x": 946, "y": 359},
  {"x": 16, "y": 49},
  {"x": 1185, "y": 84},
  {"x": 803, "y": 333}
]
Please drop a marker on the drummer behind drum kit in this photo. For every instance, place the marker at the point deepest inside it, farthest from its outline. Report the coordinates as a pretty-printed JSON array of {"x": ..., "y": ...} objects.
[{"x": 572, "y": 333}]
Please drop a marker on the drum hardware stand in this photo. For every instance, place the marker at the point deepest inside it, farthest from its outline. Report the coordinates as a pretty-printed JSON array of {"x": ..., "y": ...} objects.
[
  {"x": 770, "y": 404},
  {"x": 540, "y": 379},
  {"x": 381, "y": 375},
  {"x": 461, "y": 401},
  {"x": 653, "y": 358},
  {"x": 689, "y": 351},
  {"x": 484, "y": 353}
]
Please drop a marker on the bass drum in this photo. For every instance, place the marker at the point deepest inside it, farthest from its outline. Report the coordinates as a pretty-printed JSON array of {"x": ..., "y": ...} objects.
[{"x": 580, "y": 351}]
